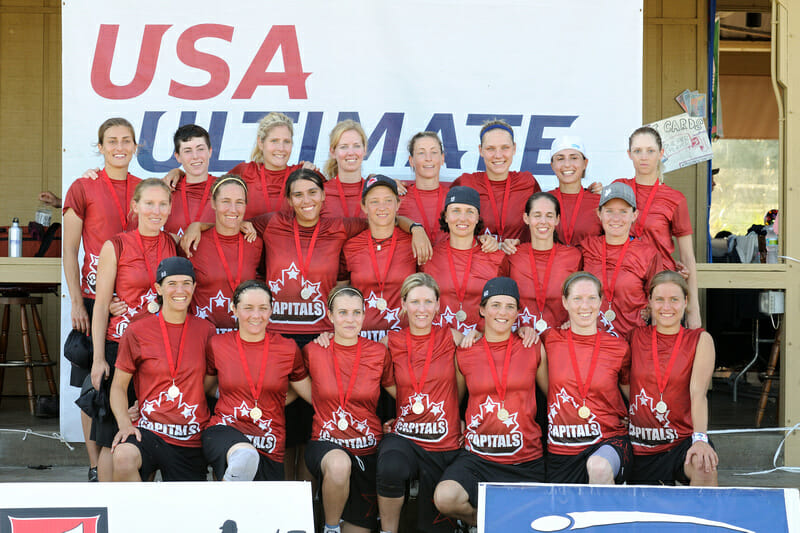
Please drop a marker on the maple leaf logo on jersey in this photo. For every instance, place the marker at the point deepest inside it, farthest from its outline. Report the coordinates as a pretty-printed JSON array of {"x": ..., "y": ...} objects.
[
  {"x": 488, "y": 435},
  {"x": 390, "y": 314},
  {"x": 291, "y": 307},
  {"x": 428, "y": 426},
  {"x": 658, "y": 429},
  {"x": 182, "y": 423},
  {"x": 215, "y": 303},
  {"x": 91, "y": 276},
  {"x": 447, "y": 318},
  {"x": 358, "y": 434},
  {"x": 263, "y": 441},
  {"x": 565, "y": 409},
  {"x": 132, "y": 311}
]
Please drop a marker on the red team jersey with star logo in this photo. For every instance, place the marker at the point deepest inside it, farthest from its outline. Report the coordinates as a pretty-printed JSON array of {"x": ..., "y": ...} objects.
[
  {"x": 291, "y": 313},
  {"x": 587, "y": 223},
  {"x": 141, "y": 353},
  {"x": 284, "y": 364},
  {"x": 259, "y": 202},
  {"x": 438, "y": 427},
  {"x": 91, "y": 200},
  {"x": 347, "y": 206},
  {"x": 568, "y": 433},
  {"x": 483, "y": 268},
  {"x": 363, "y": 276},
  {"x": 364, "y": 430},
  {"x": 133, "y": 285},
  {"x": 650, "y": 431},
  {"x": 518, "y": 438},
  {"x": 212, "y": 295},
  {"x": 518, "y": 267},
  {"x": 193, "y": 209},
  {"x": 523, "y": 185},
  {"x": 427, "y": 210}
]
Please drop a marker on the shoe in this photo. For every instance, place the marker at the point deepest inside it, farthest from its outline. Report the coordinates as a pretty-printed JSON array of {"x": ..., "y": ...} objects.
[{"x": 93, "y": 474}]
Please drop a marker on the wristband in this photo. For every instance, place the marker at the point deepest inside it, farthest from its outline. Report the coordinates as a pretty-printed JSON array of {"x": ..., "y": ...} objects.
[
  {"x": 699, "y": 437},
  {"x": 415, "y": 225}
]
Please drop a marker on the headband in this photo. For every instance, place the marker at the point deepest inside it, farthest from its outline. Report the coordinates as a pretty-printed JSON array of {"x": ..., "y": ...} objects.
[{"x": 497, "y": 127}]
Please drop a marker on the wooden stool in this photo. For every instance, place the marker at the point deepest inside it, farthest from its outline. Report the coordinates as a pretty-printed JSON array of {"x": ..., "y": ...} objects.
[{"x": 28, "y": 363}]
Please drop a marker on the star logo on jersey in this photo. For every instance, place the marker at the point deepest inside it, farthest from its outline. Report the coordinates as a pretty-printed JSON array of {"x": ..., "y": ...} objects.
[
  {"x": 132, "y": 311},
  {"x": 447, "y": 318},
  {"x": 488, "y": 435},
  {"x": 428, "y": 426},
  {"x": 648, "y": 427},
  {"x": 176, "y": 418},
  {"x": 292, "y": 307},
  {"x": 525, "y": 317},
  {"x": 265, "y": 440},
  {"x": 566, "y": 427},
  {"x": 357, "y": 433},
  {"x": 215, "y": 303},
  {"x": 390, "y": 314}
]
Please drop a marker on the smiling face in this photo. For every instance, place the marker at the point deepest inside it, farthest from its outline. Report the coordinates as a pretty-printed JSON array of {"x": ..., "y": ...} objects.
[
  {"x": 380, "y": 205},
  {"x": 176, "y": 292},
  {"x": 276, "y": 147},
  {"x": 499, "y": 313},
  {"x": 306, "y": 199},
  {"x": 497, "y": 150},
  {"x": 667, "y": 305},
  {"x": 569, "y": 166},
  {"x": 617, "y": 216},
  {"x": 582, "y": 303},
  {"x": 252, "y": 312},
  {"x": 461, "y": 219},
  {"x": 229, "y": 204},
  {"x": 645, "y": 154},
  {"x": 194, "y": 155},
  {"x": 542, "y": 220},
  {"x": 421, "y": 305},
  {"x": 152, "y": 208},
  {"x": 117, "y": 147},
  {"x": 349, "y": 152},
  {"x": 347, "y": 317},
  {"x": 427, "y": 158}
]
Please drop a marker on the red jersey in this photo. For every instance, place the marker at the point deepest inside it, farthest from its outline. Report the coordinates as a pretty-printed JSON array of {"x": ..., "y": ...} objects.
[
  {"x": 364, "y": 275},
  {"x": 363, "y": 430},
  {"x": 217, "y": 278},
  {"x": 652, "y": 432},
  {"x": 136, "y": 275},
  {"x": 438, "y": 426},
  {"x": 284, "y": 363},
  {"x": 191, "y": 202},
  {"x": 343, "y": 200},
  {"x": 666, "y": 217},
  {"x": 265, "y": 188},
  {"x": 482, "y": 267},
  {"x": 567, "y": 432},
  {"x": 288, "y": 274},
  {"x": 586, "y": 222},
  {"x": 519, "y": 267},
  {"x": 640, "y": 263},
  {"x": 102, "y": 218},
  {"x": 141, "y": 353},
  {"x": 502, "y": 218},
  {"x": 426, "y": 207},
  {"x": 517, "y": 439}
]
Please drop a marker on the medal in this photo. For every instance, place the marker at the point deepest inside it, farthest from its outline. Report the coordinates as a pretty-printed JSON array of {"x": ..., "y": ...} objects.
[
  {"x": 461, "y": 290},
  {"x": 152, "y": 307},
  {"x": 173, "y": 392},
  {"x": 608, "y": 288},
  {"x": 305, "y": 294},
  {"x": 541, "y": 289},
  {"x": 304, "y": 262},
  {"x": 344, "y": 396},
  {"x": 541, "y": 325},
  {"x": 584, "y": 412},
  {"x": 583, "y": 386},
  {"x": 380, "y": 277},
  {"x": 610, "y": 315},
  {"x": 461, "y": 315},
  {"x": 499, "y": 386},
  {"x": 381, "y": 304},
  {"x": 418, "y": 408},
  {"x": 342, "y": 424},
  {"x": 663, "y": 379},
  {"x": 502, "y": 414},
  {"x": 661, "y": 407},
  {"x": 255, "y": 414}
]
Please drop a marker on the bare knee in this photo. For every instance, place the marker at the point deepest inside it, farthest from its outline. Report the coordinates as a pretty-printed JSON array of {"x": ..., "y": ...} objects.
[
  {"x": 698, "y": 476},
  {"x": 599, "y": 470},
  {"x": 335, "y": 467},
  {"x": 449, "y": 497},
  {"x": 126, "y": 459}
]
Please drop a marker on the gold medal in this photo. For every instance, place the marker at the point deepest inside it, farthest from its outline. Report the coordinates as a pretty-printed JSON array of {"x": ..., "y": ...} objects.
[
  {"x": 305, "y": 294},
  {"x": 661, "y": 407},
  {"x": 152, "y": 307},
  {"x": 173, "y": 392},
  {"x": 381, "y": 304},
  {"x": 610, "y": 315},
  {"x": 417, "y": 408},
  {"x": 502, "y": 414},
  {"x": 541, "y": 325},
  {"x": 584, "y": 412},
  {"x": 255, "y": 414},
  {"x": 461, "y": 315},
  {"x": 342, "y": 424}
]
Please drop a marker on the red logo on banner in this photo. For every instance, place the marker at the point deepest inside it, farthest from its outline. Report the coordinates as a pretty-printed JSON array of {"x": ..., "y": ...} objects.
[{"x": 54, "y": 525}]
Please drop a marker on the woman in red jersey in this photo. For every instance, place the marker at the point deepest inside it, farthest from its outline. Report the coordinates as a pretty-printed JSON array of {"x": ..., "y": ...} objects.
[
  {"x": 348, "y": 148},
  {"x": 671, "y": 369},
  {"x": 502, "y": 191},
  {"x": 164, "y": 355},
  {"x": 425, "y": 435},
  {"x": 127, "y": 267},
  {"x": 94, "y": 211},
  {"x": 346, "y": 380},
  {"x": 588, "y": 372},
  {"x": 254, "y": 370},
  {"x": 224, "y": 258},
  {"x": 460, "y": 265},
  {"x": 623, "y": 264},
  {"x": 664, "y": 213},
  {"x": 541, "y": 266}
]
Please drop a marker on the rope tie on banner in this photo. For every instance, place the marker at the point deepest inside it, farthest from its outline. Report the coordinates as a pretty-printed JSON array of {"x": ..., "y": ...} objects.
[
  {"x": 776, "y": 468},
  {"x": 55, "y": 435}
]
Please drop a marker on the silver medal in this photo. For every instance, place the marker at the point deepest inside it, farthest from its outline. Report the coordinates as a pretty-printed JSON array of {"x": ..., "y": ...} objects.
[
  {"x": 381, "y": 304},
  {"x": 255, "y": 414},
  {"x": 661, "y": 407},
  {"x": 417, "y": 408},
  {"x": 152, "y": 307},
  {"x": 305, "y": 294},
  {"x": 540, "y": 325},
  {"x": 502, "y": 414},
  {"x": 173, "y": 392},
  {"x": 342, "y": 424},
  {"x": 610, "y": 315},
  {"x": 461, "y": 316}
]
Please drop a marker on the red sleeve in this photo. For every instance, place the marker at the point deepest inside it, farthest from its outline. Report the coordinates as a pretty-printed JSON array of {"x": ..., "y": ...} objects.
[
  {"x": 211, "y": 366},
  {"x": 387, "y": 378},
  {"x": 260, "y": 222},
  {"x": 75, "y": 200},
  {"x": 655, "y": 265},
  {"x": 681, "y": 222},
  {"x": 299, "y": 371},
  {"x": 353, "y": 226},
  {"x": 128, "y": 353}
]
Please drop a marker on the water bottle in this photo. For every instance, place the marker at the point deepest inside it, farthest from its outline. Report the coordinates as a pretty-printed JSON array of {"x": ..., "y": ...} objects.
[
  {"x": 15, "y": 239},
  {"x": 772, "y": 245},
  {"x": 44, "y": 215}
]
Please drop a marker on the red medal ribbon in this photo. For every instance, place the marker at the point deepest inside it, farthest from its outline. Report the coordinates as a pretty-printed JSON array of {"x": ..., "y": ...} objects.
[
  {"x": 418, "y": 386},
  {"x": 670, "y": 362},
  {"x": 381, "y": 278},
  {"x": 342, "y": 199},
  {"x": 583, "y": 386},
  {"x": 569, "y": 230},
  {"x": 122, "y": 217},
  {"x": 499, "y": 386},
  {"x": 240, "y": 259},
  {"x": 639, "y": 226},
  {"x": 200, "y": 207},
  {"x": 608, "y": 288},
  {"x": 501, "y": 223},
  {"x": 262, "y": 173},
  {"x": 304, "y": 263},
  {"x": 541, "y": 290},
  {"x": 461, "y": 290},
  {"x": 418, "y": 200},
  {"x": 261, "y": 369},
  {"x": 173, "y": 367},
  {"x": 344, "y": 397},
  {"x": 144, "y": 254}
]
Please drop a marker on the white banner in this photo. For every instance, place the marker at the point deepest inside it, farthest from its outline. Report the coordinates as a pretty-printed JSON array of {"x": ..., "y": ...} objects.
[
  {"x": 548, "y": 67},
  {"x": 211, "y": 507}
]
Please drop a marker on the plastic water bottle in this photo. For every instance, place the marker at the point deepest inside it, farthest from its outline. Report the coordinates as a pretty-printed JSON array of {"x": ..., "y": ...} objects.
[
  {"x": 772, "y": 245},
  {"x": 15, "y": 239}
]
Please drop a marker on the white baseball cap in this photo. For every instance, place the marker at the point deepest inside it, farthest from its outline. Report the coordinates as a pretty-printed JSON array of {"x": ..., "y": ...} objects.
[{"x": 567, "y": 142}]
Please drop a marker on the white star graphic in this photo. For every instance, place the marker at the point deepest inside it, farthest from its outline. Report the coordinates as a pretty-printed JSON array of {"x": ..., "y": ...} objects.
[
  {"x": 525, "y": 317},
  {"x": 448, "y": 316},
  {"x": 372, "y": 301},
  {"x": 292, "y": 271}
]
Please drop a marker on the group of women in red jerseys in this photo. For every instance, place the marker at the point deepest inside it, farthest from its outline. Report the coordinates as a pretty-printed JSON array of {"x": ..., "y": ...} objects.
[{"x": 484, "y": 289}]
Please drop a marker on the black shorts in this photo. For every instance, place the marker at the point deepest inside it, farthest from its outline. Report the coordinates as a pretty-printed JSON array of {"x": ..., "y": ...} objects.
[
  {"x": 361, "y": 508},
  {"x": 218, "y": 439},
  {"x": 177, "y": 463},
  {"x": 663, "y": 468},
  {"x": 468, "y": 469},
  {"x": 398, "y": 456},
  {"x": 299, "y": 413},
  {"x": 572, "y": 468},
  {"x": 78, "y": 373},
  {"x": 105, "y": 429}
]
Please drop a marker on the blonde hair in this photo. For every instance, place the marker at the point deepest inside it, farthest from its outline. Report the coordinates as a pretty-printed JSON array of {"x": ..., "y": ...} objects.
[
  {"x": 332, "y": 167},
  {"x": 146, "y": 184},
  {"x": 226, "y": 179},
  {"x": 265, "y": 125},
  {"x": 668, "y": 276},
  {"x": 343, "y": 290},
  {"x": 419, "y": 279}
]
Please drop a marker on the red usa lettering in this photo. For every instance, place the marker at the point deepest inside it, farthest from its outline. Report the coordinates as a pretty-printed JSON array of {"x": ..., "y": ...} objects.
[{"x": 279, "y": 37}]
